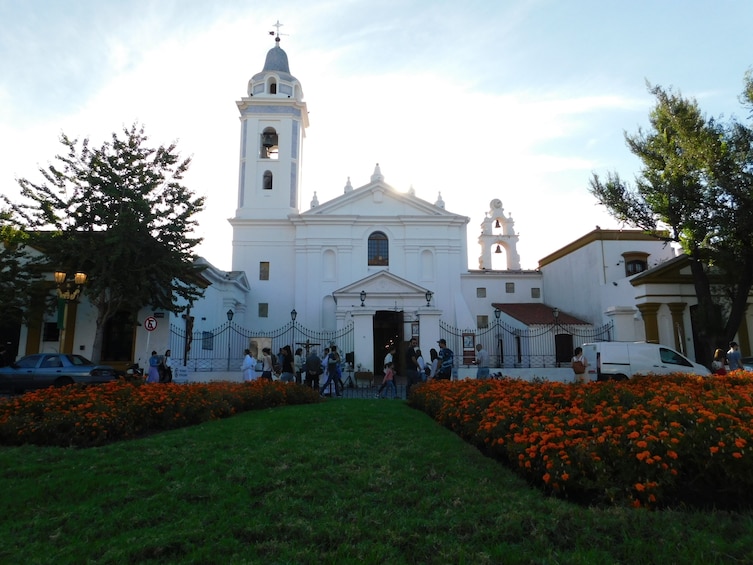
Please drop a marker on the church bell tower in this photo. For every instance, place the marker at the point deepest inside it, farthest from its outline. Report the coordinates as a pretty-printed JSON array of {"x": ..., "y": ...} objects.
[{"x": 273, "y": 119}]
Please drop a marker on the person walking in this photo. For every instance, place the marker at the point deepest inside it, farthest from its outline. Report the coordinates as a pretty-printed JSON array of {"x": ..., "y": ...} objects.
[
  {"x": 388, "y": 382},
  {"x": 482, "y": 362},
  {"x": 287, "y": 374},
  {"x": 332, "y": 361},
  {"x": 248, "y": 367},
  {"x": 718, "y": 365},
  {"x": 421, "y": 365},
  {"x": 266, "y": 363},
  {"x": 580, "y": 365},
  {"x": 153, "y": 375},
  {"x": 446, "y": 361},
  {"x": 411, "y": 366},
  {"x": 166, "y": 368},
  {"x": 734, "y": 357}
]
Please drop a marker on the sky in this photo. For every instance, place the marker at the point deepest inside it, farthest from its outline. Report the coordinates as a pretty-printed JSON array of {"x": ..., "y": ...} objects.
[{"x": 521, "y": 100}]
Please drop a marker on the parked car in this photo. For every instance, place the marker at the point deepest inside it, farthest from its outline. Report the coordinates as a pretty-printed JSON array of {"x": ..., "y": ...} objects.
[
  {"x": 621, "y": 360},
  {"x": 52, "y": 369}
]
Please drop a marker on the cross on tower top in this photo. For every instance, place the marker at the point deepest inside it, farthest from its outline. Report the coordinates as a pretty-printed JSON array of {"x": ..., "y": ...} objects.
[{"x": 277, "y": 34}]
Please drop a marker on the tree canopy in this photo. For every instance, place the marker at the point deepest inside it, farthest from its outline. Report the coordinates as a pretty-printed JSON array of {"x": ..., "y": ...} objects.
[
  {"x": 695, "y": 184},
  {"x": 120, "y": 214}
]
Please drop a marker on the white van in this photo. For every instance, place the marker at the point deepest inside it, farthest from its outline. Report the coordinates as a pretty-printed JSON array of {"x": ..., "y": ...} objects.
[{"x": 621, "y": 360}]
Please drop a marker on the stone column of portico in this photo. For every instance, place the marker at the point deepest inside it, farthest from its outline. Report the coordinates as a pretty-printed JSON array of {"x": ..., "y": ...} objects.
[
  {"x": 743, "y": 334},
  {"x": 363, "y": 338},
  {"x": 623, "y": 323},
  {"x": 649, "y": 312},
  {"x": 428, "y": 323},
  {"x": 677, "y": 309}
]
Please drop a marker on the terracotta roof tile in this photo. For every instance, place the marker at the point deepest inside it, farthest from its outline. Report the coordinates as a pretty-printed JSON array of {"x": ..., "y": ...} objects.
[{"x": 535, "y": 313}]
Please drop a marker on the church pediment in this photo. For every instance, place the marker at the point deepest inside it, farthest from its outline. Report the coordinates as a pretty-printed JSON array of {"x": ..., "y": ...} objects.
[
  {"x": 382, "y": 285},
  {"x": 378, "y": 199}
]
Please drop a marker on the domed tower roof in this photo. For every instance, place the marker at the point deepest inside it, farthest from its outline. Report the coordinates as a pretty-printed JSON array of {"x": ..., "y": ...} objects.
[
  {"x": 275, "y": 68},
  {"x": 277, "y": 59}
]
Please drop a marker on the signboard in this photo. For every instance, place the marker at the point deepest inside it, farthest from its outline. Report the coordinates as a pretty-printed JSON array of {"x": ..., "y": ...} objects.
[{"x": 150, "y": 324}]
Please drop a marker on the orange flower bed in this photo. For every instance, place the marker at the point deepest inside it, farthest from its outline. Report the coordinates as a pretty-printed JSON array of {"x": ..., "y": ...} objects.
[
  {"x": 90, "y": 416},
  {"x": 653, "y": 441}
]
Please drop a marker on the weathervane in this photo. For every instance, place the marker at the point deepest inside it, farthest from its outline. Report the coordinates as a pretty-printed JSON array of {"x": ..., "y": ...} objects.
[{"x": 277, "y": 34}]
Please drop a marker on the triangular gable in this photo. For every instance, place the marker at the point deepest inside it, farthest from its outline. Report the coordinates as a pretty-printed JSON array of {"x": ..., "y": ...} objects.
[
  {"x": 673, "y": 271},
  {"x": 380, "y": 285},
  {"x": 379, "y": 199}
]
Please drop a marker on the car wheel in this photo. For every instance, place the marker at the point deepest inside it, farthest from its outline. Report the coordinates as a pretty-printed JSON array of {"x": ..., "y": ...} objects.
[
  {"x": 63, "y": 381},
  {"x": 620, "y": 377}
]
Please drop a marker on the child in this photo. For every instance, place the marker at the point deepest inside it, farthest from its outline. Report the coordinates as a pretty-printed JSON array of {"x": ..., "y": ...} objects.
[{"x": 388, "y": 381}]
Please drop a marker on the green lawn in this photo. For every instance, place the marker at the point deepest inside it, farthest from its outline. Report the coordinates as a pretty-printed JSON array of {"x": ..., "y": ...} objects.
[{"x": 344, "y": 481}]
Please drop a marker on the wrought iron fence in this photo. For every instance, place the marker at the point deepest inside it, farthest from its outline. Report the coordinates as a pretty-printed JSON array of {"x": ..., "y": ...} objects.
[
  {"x": 549, "y": 345},
  {"x": 222, "y": 349}
]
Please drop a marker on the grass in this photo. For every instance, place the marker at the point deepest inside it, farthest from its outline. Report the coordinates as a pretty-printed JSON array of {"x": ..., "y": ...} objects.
[{"x": 356, "y": 481}]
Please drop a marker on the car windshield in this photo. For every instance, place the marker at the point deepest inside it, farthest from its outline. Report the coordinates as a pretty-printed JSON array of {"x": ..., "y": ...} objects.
[{"x": 78, "y": 360}]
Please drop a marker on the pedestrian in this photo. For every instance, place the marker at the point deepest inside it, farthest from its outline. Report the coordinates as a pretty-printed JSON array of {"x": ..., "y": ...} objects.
[
  {"x": 388, "y": 381},
  {"x": 411, "y": 366},
  {"x": 332, "y": 362},
  {"x": 580, "y": 365},
  {"x": 734, "y": 357},
  {"x": 421, "y": 365},
  {"x": 287, "y": 374},
  {"x": 433, "y": 363},
  {"x": 389, "y": 358},
  {"x": 313, "y": 369},
  {"x": 166, "y": 369},
  {"x": 152, "y": 375},
  {"x": 446, "y": 361},
  {"x": 298, "y": 362},
  {"x": 718, "y": 365},
  {"x": 482, "y": 362},
  {"x": 249, "y": 366},
  {"x": 266, "y": 363}
]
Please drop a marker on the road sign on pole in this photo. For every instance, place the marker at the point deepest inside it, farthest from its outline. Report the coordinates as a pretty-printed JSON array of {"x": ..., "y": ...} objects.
[{"x": 150, "y": 324}]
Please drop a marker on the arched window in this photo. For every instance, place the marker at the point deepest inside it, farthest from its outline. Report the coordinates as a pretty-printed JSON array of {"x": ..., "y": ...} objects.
[
  {"x": 635, "y": 262},
  {"x": 267, "y": 181},
  {"x": 379, "y": 249},
  {"x": 269, "y": 144}
]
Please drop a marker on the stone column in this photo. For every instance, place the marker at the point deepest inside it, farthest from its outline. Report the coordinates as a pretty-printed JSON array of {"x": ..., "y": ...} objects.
[
  {"x": 677, "y": 309},
  {"x": 650, "y": 321}
]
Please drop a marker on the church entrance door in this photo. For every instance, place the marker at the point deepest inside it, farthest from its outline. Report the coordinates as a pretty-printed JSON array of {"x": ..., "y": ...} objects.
[{"x": 388, "y": 331}]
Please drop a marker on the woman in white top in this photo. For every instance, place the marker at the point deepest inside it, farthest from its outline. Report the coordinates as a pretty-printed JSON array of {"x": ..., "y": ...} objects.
[
  {"x": 421, "y": 365},
  {"x": 249, "y": 367},
  {"x": 580, "y": 365},
  {"x": 434, "y": 358}
]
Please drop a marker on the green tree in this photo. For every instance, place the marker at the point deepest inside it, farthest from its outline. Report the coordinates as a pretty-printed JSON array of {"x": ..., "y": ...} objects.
[
  {"x": 120, "y": 214},
  {"x": 19, "y": 273},
  {"x": 695, "y": 188}
]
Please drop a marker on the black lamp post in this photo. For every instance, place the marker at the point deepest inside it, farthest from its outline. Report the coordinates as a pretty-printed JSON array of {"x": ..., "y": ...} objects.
[
  {"x": 497, "y": 314},
  {"x": 293, "y": 314},
  {"x": 68, "y": 291},
  {"x": 556, "y": 315},
  {"x": 363, "y": 297},
  {"x": 428, "y": 295},
  {"x": 229, "y": 315}
]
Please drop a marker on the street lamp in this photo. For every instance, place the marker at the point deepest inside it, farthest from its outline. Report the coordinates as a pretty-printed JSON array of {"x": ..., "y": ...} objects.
[
  {"x": 363, "y": 297},
  {"x": 69, "y": 289},
  {"x": 68, "y": 292},
  {"x": 556, "y": 315},
  {"x": 428, "y": 295},
  {"x": 229, "y": 315},
  {"x": 293, "y": 314},
  {"x": 497, "y": 314}
]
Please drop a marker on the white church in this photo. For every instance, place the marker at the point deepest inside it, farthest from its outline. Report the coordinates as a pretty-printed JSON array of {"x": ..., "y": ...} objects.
[{"x": 376, "y": 266}]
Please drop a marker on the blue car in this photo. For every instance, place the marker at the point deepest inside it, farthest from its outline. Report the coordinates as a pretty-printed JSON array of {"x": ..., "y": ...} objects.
[{"x": 41, "y": 370}]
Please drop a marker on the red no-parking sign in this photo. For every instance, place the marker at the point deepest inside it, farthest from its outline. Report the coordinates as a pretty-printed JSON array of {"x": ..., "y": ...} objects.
[{"x": 150, "y": 324}]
